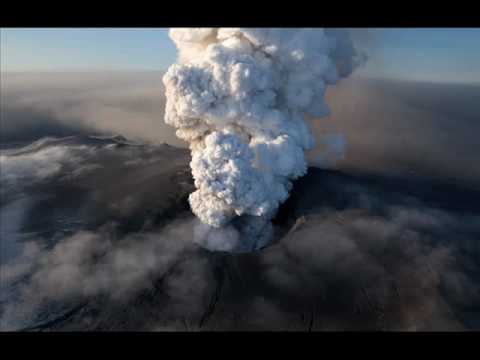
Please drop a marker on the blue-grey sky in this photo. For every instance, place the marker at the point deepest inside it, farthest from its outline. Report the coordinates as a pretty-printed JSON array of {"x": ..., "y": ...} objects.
[
  {"x": 412, "y": 54},
  {"x": 441, "y": 54}
]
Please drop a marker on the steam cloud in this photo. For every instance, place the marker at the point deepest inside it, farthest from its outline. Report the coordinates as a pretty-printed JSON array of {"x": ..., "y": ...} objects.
[{"x": 239, "y": 98}]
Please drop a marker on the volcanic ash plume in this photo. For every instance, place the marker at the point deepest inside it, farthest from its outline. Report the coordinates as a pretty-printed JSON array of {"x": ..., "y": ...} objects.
[{"x": 239, "y": 98}]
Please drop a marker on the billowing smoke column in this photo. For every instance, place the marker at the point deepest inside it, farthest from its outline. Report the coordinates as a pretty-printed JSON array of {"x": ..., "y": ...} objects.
[{"x": 239, "y": 98}]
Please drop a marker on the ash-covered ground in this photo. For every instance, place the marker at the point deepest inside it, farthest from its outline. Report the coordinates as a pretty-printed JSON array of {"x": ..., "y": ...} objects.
[{"x": 99, "y": 237}]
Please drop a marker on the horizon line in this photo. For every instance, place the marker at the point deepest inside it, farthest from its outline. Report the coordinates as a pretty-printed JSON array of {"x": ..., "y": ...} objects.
[{"x": 138, "y": 70}]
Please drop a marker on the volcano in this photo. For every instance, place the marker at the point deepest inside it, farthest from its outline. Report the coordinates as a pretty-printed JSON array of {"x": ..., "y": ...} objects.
[{"x": 351, "y": 251}]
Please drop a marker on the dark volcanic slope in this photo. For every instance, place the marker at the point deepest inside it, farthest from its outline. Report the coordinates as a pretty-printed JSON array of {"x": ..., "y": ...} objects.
[{"x": 353, "y": 252}]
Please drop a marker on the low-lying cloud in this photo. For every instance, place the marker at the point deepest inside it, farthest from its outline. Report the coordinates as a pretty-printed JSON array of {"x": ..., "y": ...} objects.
[
  {"x": 383, "y": 125},
  {"x": 413, "y": 128},
  {"x": 62, "y": 104},
  {"x": 89, "y": 264}
]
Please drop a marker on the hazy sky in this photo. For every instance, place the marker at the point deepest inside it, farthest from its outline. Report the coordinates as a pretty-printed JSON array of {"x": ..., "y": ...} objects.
[{"x": 414, "y": 54}]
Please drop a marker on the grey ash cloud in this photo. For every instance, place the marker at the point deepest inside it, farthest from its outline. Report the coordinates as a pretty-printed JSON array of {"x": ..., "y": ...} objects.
[
  {"x": 388, "y": 125},
  {"x": 421, "y": 129},
  {"x": 62, "y": 104}
]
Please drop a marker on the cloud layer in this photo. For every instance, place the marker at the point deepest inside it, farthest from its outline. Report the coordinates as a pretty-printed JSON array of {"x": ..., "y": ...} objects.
[
  {"x": 387, "y": 126},
  {"x": 62, "y": 104}
]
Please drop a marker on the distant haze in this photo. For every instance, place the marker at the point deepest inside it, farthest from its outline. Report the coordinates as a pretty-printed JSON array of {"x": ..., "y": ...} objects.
[
  {"x": 390, "y": 126},
  {"x": 62, "y": 103}
]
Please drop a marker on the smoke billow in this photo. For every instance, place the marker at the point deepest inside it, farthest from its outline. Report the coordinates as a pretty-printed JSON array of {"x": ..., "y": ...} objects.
[
  {"x": 239, "y": 97},
  {"x": 89, "y": 264}
]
